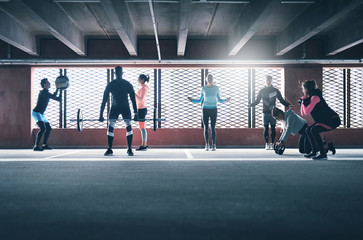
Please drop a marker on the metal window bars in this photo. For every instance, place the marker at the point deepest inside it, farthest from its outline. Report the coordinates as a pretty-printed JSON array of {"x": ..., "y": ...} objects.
[{"x": 169, "y": 88}]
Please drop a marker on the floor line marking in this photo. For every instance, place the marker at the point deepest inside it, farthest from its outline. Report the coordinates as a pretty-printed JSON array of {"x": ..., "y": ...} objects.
[
  {"x": 63, "y": 154},
  {"x": 189, "y": 155},
  {"x": 132, "y": 159}
]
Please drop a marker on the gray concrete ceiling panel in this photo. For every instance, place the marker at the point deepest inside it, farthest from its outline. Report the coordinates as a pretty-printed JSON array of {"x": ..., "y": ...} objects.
[{"x": 240, "y": 22}]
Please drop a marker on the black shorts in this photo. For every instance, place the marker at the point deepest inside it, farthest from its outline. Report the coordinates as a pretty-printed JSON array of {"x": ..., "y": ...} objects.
[
  {"x": 141, "y": 113},
  {"x": 115, "y": 112}
]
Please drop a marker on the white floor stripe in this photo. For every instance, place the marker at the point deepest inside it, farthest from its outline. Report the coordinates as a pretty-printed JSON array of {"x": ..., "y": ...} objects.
[
  {"x": 189, "y": 155},
  {"x": 63, "y": 154},
  {"x": 133, "y": 159}
]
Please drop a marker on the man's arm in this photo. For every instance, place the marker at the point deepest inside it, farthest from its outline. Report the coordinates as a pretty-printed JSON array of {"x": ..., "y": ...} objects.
[
  {"x": 286, "y": 132},
  {"x": 106, "y": 95},
  {"x": 132, "y": 98},
  {"x": 279, "y": 96},
  {"x": 54, "y": 96},
  {"x": 258, "y": 99}
]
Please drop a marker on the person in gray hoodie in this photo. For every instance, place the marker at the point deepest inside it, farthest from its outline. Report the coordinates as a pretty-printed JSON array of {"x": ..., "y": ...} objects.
[{"x": 292, "y": 124}]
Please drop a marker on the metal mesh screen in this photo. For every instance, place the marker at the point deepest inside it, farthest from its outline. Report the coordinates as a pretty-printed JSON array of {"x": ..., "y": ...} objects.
[
  {"x": 232, "y": 83},
  {"x": 132, "y": 75},
  {"x": 176, "y": 86},
  {"x": 356, "y": 98},
  {"x": 333, "y": 85},
  {"x": 52, "y": 111},
  {"x": 260, "y": 77},
  {"x": 86, "y": 86}
]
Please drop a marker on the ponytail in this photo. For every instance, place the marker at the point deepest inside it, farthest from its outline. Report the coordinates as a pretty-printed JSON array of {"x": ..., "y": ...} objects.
[{"x": 144, "y": 77}]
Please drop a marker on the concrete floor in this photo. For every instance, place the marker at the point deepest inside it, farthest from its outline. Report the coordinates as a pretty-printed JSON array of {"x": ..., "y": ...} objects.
[{"x": 180, "y": 194}]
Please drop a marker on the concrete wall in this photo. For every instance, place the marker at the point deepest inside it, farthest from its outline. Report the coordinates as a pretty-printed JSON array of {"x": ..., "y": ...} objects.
[{"x": 16, "y": 122}]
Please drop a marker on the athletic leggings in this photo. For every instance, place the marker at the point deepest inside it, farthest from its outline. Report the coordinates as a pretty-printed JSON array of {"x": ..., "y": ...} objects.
[
  {"x": 142, "y": 115},
  {"x": 212, "y": 114},
  {"x": 44, "y": 129},
  {"x": 313, "y": 133},
  {"x": 273, "y": 133},
  {"x": 304, "y": 144}
]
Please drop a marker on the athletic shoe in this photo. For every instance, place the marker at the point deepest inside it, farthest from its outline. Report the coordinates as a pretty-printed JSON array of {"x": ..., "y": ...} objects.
[
  {"x": 142, "y": 148},
  {"x": 129, "y": 152},
  {"x": 321, "y": 157},
  {"x": 206, "y": 147},
  {"x": 109, "y": 152},
  {"x": 310, "y": 155},
  {"x": 271, "y": 146},
  {"x": 267, "y": 146},
  {"x": 37, "y": 148},
  {"x": 331, "y": 148},
  {"x": 214, "y": 147},
  {"x": 47, "y": 147}
]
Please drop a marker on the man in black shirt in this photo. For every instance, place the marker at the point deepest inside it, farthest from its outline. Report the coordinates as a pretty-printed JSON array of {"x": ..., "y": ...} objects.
[
  {"x": 269, "y": 95},
  {"x": 38, "y": 114},
  {"x": 120, "y": 89}
]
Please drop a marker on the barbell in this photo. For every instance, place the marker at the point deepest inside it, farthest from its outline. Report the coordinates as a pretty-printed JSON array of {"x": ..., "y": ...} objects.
[{"x": 80, "y": 120}]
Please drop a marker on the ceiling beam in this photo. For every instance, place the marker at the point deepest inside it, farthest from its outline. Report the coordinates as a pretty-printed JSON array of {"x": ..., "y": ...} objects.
[
  {"x": 312, "y": 21},
  {"x": 345, "y": 37},
  {"x": 16, "y": 34},
  {"x": 252, "y": 18},
  {"x": 155, "y": 29},
  {"x": 55, "y": 21},
  {"x": 183, "y": 28},
  {"x": 120, "y": 17}
]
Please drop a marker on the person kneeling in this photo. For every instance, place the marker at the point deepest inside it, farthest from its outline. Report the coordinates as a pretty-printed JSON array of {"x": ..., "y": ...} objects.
[{"x": 292, "y": 124}]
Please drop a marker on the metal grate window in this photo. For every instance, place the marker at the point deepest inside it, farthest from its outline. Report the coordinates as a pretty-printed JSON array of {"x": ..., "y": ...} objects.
[
  {"x": 132, "y": 75},
  {"x": 260, "y": 77},
  {"x": 232, "y": 83},
  {"x": 333, "y": 90},
  {"x": 176, "y": 86},
  {"x": 86, "y": 86},
  {"x": 356, "y": 98},
  {"x": 52, "y": 111}
]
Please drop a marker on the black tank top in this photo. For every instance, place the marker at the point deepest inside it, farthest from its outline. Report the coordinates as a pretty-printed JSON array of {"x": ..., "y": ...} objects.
[{"x": 322, "y": 112}]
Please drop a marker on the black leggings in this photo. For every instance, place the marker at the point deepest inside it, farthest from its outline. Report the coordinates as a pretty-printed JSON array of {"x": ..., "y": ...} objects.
[
  {"x": 44, "y": 129},
  {"x": 313, "y": 133},
  {"x": 212, "y": 114},
  {"x": 273, "y": 133},
  {"x": 304, "y": 144}
]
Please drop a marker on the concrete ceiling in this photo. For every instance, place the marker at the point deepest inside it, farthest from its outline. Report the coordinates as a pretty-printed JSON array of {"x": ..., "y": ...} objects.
[{"x": 339, "y": 23}]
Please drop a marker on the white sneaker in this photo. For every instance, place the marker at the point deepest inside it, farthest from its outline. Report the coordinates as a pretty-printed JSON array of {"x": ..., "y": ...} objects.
[
  {"x": 267, "y": 146},
  {"x": 271, "y": 146},
  {"x": 214, "y": 147},
  {"x": 206, "y": 147}
]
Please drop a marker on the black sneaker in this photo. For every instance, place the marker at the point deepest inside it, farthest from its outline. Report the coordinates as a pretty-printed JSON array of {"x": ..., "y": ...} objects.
[
  {"x": 129, "y": 152},
  {"x": 37, "y": 148},
  {"x": 109, "y": 152},
  {"x": 142, "y": 148},
  {"x": 310, "y": 155},
  {"x": 321, "y": 157},
  {"x": 47, "y": 147},
  {"x": 331, "y": 148}
]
